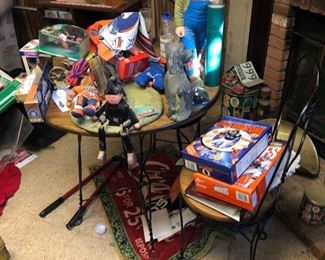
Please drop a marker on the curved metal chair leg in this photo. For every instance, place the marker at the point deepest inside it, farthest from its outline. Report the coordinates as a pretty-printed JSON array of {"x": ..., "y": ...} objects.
[
  {"x": 259, "y": 234},
  {"x": 179, "y": 139}
]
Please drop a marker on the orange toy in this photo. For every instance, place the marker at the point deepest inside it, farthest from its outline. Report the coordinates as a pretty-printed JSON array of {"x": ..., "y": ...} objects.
[{"x": 87, "y": 99}]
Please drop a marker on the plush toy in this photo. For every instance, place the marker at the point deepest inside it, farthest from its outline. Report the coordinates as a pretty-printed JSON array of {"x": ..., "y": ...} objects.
[
  {"x": 116, "y": 112},
  {"x": 154, "y": 75},
  {"x": 87, "y": 100},
  {"x": 191, "y": 24}
]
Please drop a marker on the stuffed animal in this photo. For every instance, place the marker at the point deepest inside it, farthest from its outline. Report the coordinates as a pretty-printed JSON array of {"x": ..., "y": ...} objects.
[
  {"x": 86, "y": 102},
  {"x": 178, "y": 88},
  {"x": 154, "y": 76}
]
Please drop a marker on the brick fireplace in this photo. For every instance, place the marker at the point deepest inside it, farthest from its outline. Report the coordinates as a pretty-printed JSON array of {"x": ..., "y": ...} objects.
[{"x": 279, "y": 43}]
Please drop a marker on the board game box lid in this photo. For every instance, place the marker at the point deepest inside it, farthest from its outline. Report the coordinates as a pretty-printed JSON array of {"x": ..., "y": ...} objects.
[{"x": 227, "y": 143}]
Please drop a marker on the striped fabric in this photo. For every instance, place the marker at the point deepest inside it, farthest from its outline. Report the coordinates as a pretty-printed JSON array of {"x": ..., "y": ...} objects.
[{"x": 78, "y": 70}]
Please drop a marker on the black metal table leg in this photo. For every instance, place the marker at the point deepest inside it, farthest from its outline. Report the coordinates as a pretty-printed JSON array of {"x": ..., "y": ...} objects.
[
  {"x": 179, "y": 139},
  {"x": 78, "y": 217},
  {"x": 181, "y": 254},
  {"x": 198, "y": 129},
  {"x": 141, "y": 182},
  {"x": 80, "y": 171}
]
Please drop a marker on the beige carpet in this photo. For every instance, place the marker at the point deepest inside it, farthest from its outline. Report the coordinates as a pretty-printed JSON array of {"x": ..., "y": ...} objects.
[{"x": 29, "y": 237}]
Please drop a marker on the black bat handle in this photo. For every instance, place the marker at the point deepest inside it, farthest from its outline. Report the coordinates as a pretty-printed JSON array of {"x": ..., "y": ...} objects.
[
  {"x": 51, "y": 207},
  {"x": 77, "y": 218}
]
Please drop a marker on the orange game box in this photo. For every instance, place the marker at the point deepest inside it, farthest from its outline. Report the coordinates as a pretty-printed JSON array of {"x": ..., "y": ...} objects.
[{"x": 250, "y": 187}]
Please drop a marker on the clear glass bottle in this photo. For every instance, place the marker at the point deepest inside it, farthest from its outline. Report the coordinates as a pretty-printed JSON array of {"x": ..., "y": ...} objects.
[{"x": 167, "y": 32}]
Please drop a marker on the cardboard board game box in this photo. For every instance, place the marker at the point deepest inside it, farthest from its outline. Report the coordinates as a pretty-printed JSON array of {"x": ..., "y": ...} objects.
[
  {"x": 212, "y": 203},
  {"x": 8, "y": 87},
  {"x": 226, "y": 150},
  {"x": 29, "y": 50},
  {"x": 250, "y": 186},
  {"x": 37, "y": 100}
]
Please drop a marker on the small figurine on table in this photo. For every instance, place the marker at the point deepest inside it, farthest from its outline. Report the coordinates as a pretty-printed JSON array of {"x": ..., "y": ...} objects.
[
  {"x": 86, "y": 102},
  {"x": 87, "y": 96},
  {"x": 116, "y": 112}
]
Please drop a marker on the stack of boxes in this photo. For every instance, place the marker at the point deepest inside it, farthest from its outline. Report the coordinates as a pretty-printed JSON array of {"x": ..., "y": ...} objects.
[{"x": 234, "y": 161}]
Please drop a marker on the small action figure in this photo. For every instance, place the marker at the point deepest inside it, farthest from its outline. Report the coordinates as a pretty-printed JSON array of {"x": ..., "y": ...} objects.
[
  {"x": 152, "y": 76},
  {"x": 191, "y": 23},
  {"x": 116, "y": 112},
  {"x": 86, "y": 102}
]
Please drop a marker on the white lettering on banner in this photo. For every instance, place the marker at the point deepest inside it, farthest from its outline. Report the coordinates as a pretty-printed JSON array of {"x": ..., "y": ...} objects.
[
  {"x": 142, "y": 247},
  {"x": 122, "y": 192},
  {"x": 160, "y": 204},
  {"x": 156, "y": 202},
  {"x": 132, "y": 213},
  {"x": 133, "y": 217},
  {"x": 159, "y": 187},
  {"x": 128, "y": 201},
  {"x": 155, "y": 176},
  {"x": 155, "y": 163}
]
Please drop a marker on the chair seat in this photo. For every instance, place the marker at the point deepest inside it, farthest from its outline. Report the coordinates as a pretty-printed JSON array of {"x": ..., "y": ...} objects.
[
  {"x": 186, "y": 179},
  {"x": 309, "y": 158}
]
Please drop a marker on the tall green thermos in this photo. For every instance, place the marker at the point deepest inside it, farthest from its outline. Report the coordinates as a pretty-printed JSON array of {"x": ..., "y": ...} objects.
[{"x": 213, "y": 58}]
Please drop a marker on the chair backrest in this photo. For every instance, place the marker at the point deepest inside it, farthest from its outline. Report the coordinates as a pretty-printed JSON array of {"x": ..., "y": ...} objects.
[{"x": 302, "y": 121}]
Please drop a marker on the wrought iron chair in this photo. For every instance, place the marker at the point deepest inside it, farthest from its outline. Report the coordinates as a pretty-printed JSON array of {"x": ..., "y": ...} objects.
[
  {"x": 255, "y": 222},
  {"x": 266, "y": 207}
]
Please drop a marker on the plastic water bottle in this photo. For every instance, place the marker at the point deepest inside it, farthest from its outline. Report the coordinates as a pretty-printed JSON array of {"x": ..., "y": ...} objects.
[{"x": 167, "y": 32}]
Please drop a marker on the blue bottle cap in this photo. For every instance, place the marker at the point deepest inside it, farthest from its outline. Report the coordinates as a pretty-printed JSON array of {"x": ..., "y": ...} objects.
[{"x": 166, "y": 16}]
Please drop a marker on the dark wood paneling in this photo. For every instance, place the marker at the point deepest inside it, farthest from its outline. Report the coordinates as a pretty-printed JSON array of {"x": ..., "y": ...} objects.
[{"x": 28, "y": 21}]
